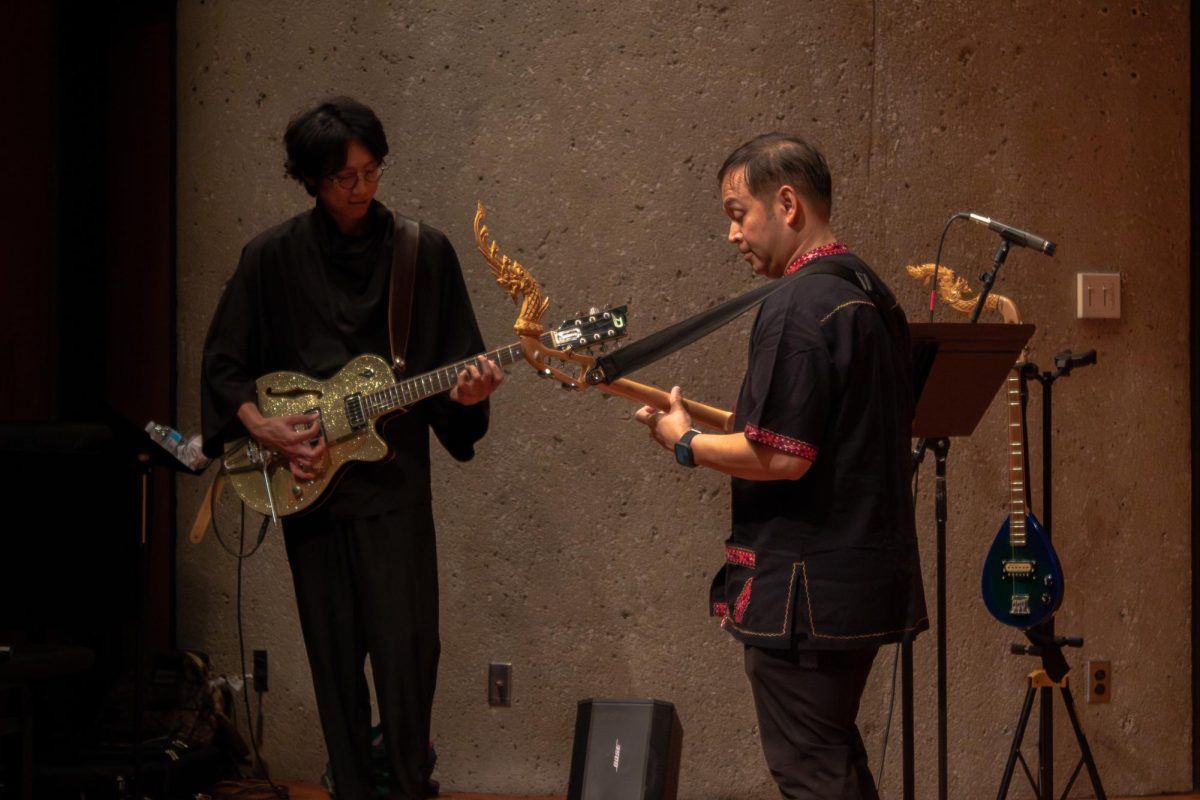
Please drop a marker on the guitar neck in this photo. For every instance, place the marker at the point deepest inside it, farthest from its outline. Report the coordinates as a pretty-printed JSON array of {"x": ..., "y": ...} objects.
[
  {"x": 415, "y": 389},
  {"x": 1016, "y": 462}
]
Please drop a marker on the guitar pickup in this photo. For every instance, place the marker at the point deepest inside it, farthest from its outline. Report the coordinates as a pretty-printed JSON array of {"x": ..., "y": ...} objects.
[
  {"x": 1015, "y": 570},
  {"x": 356, "y": 415}
]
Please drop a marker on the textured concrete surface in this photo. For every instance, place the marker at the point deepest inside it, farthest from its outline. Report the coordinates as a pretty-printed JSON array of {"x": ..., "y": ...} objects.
[{"x": 572, "y": 547}]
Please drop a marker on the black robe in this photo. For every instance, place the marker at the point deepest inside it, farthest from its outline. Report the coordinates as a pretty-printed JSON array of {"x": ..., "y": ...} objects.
[{"x": 307, "y": 298}]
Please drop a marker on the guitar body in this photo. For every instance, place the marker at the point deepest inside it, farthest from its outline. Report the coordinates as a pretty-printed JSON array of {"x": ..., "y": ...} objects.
[
  {"x": 355, "y": 400},
  {"x": 262, "y": 479},
  {"x": 1022, "y": 584}
]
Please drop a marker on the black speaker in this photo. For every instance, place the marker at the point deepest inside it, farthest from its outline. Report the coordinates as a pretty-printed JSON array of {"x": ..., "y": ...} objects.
[{"x": 625, "y": 750}]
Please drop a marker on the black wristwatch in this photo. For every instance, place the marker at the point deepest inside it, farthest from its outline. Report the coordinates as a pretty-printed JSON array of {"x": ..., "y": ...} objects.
[{"x": 683, "y": 449}]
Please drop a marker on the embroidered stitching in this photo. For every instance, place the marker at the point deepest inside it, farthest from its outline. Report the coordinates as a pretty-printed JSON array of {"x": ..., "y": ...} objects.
[
  {"x": 721, "y": 610},
  {"x": 803, "y": 566},
  {"x": 739, "y": 610},
  {"x": 813, "y": 628},
  {"x": 780, "y": 442},
  {"x": 787, "y": 612},
  {"x": 740, "y": 556},
  {"x": 827, "y": 317},
  {"x": 831, "y": 249}
]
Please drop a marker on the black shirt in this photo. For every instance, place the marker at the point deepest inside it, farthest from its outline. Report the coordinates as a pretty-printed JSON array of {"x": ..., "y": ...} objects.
[{"x": 828, "y": 560}]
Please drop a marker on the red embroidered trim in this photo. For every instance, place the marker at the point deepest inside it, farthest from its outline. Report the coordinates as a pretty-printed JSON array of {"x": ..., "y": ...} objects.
[
  {"x": 740, "y": 556},
  {"x": 739, "y": 609},
  {"x": 721, "y": 610},
  {"x": 831, "y": 249},
  {"x": 780, "y": 442}
]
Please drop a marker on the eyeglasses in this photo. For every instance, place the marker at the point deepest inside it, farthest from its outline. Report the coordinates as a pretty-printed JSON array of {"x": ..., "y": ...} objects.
[{"x": 349, "y": 181}]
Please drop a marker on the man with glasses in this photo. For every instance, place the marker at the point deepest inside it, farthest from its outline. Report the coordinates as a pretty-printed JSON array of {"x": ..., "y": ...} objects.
[{"x": 309, "y": 295}]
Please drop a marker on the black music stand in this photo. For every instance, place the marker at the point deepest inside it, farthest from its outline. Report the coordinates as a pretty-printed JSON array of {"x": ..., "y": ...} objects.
[{"x": 958, "y": 369}]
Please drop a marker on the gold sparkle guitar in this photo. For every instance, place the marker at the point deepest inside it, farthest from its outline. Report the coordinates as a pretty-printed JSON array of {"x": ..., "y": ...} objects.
[{"x": 352, "y": 403}]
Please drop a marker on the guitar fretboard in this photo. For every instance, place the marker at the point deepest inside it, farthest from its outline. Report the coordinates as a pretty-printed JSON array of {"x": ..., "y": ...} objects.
[
  {"x": 1016, "y": 462},
  {"x": 442, "y": 379}
]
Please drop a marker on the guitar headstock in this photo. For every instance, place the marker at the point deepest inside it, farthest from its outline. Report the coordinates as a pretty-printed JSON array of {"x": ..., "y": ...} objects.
[
  {"x": 589, "y": 330},
  {"x": 558, "y": 354}
]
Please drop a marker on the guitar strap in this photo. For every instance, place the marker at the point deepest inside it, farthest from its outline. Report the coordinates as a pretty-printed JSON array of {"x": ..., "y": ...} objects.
[
  {"x": 406, "y": 239},
  {"x": 674, "y": 337}
]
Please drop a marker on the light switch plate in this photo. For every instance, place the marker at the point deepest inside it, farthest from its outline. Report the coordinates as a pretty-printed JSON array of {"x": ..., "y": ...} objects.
[{"x": 1098, "y": 295}]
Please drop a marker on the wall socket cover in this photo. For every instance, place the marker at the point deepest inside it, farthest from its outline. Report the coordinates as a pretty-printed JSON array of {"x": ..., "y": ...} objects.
[
  {"x": 500, "y": 684},
  {"x": 1099, "y": 688}
]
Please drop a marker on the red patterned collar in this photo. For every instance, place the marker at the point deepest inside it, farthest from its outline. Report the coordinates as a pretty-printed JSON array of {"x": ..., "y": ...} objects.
[{"x": 831, "y": 249}]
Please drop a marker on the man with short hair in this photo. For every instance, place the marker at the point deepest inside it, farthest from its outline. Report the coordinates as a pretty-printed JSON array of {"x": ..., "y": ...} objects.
[
  {"x": 822, "y": 565},
  {"x": 309, "y": 295}
]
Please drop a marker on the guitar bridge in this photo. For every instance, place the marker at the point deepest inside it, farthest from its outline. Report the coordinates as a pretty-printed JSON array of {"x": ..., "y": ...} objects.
[{"x": 1020, "y": 605}]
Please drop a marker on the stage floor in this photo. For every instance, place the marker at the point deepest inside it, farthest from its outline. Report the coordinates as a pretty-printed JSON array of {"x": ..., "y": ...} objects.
[{"x": 316, "y": 793}]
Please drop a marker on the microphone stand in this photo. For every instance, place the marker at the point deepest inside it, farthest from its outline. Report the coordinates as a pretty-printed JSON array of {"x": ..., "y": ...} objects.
[{"x": 988, "y": 278}]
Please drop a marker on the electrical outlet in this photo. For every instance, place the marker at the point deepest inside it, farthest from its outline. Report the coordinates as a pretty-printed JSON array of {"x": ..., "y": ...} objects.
[
  {"x": 500, "y": 684},
  {"x": 1099, "y": 682},
  {"x": 260, "y": 670},
  {"x": 1098, "y": 295}
]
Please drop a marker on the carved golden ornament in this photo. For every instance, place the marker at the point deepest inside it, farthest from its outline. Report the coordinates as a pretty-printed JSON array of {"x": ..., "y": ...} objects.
[
  {"x": 567, "y": 365},
  {"x": 513, "y": 279},
  {"x": 958, "y": 294}
]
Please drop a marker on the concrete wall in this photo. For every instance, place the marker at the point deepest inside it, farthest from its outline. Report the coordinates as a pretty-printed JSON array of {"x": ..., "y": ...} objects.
[{"x": 572, "y": 547}]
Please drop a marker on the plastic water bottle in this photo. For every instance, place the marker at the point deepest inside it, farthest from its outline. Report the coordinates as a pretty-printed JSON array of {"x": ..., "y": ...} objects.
[{"x": 188, "y": 451}]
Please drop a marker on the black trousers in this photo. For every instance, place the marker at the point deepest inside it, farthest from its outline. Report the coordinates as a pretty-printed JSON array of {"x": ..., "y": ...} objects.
[
  {"x": 807, "y": 702},
  {"x": 369, "y": 586}
]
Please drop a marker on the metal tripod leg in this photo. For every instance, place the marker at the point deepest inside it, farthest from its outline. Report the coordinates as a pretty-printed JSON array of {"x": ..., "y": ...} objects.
[
  {"x": 1040, "y": 682},
  {"x": 1014, "y": 752},
  {"x": 1085, "y": 752}
]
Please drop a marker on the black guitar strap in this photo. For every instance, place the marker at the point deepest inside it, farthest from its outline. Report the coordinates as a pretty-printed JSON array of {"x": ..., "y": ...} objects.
[
  {"x": 406, "y": 239},
  {"x": 664, "y": 342}
]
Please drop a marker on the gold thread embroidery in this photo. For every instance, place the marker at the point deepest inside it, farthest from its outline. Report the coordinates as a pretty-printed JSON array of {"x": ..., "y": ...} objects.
[
  {"x": 787, "y": 611},
  {"x": 813, "y": 628},
  {"x": 825, "y": 318},
  {"x": 803, "y": 566}
]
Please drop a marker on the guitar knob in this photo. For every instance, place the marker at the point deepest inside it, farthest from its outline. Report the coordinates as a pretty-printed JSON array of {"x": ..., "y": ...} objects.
[
  {"x": 1049, "y": 580},
  {"x": 1046, "y": 599}
]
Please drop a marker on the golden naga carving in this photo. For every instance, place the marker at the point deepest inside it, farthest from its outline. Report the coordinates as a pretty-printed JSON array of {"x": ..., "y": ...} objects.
[
  {"x": 513, "y": 279},
  {"x": 567, "y": 365},
  {"x": 958, "y": 294}
]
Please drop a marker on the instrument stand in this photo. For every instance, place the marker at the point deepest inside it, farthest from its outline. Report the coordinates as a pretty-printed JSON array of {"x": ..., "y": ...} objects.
[
  {"x": 1041, "y": 682},
  {"x": 1045, "y": 643}
]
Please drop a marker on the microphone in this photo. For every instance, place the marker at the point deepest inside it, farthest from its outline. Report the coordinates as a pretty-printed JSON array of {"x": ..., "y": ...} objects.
[{"x": 1015, "y": 235}]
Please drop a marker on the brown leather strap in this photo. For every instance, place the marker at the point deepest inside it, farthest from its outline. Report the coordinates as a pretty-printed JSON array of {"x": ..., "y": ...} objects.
[
  {"x": 204, "y": 513},
  {"x": 405, "y": 241}
]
